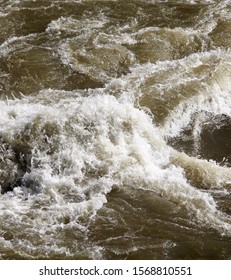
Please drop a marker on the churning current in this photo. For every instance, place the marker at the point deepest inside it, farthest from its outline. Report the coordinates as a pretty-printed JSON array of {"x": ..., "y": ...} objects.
[{"x": 115, "y": 129}]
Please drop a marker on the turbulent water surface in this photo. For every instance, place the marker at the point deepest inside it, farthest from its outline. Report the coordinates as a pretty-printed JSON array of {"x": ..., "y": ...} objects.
[{"x": 115, "y": 129}]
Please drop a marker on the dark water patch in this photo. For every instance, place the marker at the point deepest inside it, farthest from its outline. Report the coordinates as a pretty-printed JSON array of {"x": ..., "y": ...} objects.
[
  {"x": 212, "y": 141},
  {"x": 215, "y": 140},
  {"x": 165, "y": 44},
  {"x": 169, "y": 14},
  {"x": 35, "y": 68},
  {"x": 161, "y": 94},
  {"x": 34, "y": 16},
  {"x": 221, "y": 33},
  {"x": 134, "y": 227}
]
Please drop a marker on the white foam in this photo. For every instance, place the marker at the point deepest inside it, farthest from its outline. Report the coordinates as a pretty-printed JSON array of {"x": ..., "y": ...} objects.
[
  {"x": 214, "y": 99},
  {"x": 99, "y": 142},
  {"x": 78, "y": 27}
]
